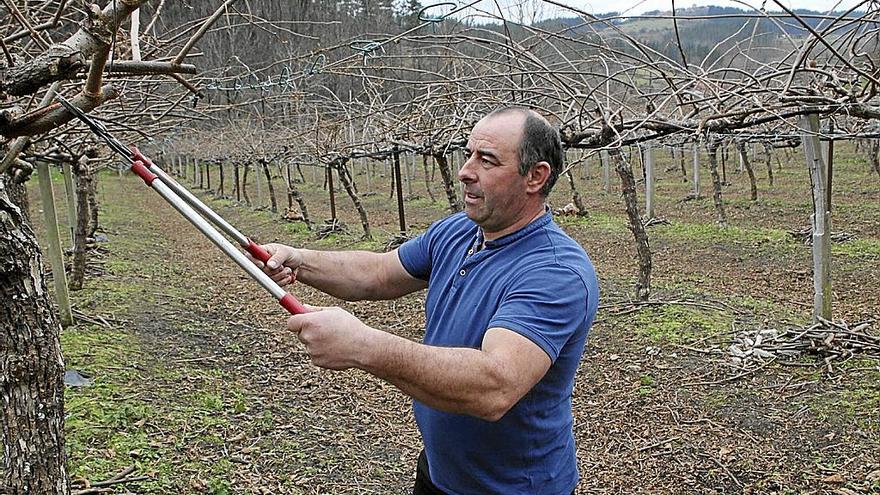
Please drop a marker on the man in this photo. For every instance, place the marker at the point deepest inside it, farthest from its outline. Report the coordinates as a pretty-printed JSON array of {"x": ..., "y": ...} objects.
[{"x": 510, "y": 301}]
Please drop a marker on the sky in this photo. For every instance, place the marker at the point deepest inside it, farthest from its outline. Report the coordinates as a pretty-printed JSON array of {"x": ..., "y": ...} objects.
[{"x": 635, "y": 7}]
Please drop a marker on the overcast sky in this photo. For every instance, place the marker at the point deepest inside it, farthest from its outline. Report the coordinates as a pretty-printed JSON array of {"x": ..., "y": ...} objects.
[{"x": 634, "y": 7}]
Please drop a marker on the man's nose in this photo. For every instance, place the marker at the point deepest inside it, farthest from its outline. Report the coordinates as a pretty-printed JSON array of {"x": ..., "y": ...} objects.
[{"x": 466, "y": 172}]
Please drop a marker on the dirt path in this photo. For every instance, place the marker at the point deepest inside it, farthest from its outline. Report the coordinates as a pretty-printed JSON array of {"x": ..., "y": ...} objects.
[{"x": 204, "y": 392}]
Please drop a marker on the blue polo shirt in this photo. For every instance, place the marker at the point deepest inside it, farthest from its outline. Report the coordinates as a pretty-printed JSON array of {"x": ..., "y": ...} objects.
[{"x": 537, "y": 282}]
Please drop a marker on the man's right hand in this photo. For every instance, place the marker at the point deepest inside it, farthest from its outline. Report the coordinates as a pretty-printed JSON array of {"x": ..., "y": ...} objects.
[{"x": 283, "y": 264}]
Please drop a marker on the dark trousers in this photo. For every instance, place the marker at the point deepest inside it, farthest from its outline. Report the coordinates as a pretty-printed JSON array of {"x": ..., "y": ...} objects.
[
  {"x": 423, "y": 484},
  {"x": 423, "y": 479}
]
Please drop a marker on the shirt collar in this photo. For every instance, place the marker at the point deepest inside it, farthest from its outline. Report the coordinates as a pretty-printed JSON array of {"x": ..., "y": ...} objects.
[{"x": 536, "y": 224}]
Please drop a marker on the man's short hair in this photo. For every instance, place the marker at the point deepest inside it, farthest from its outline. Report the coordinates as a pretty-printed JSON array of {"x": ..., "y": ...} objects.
[{"x": 540, "y": 143}]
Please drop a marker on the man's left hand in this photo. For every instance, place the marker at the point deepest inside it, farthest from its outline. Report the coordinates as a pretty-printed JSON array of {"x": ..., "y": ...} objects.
[{"x": 334, "y": 338}]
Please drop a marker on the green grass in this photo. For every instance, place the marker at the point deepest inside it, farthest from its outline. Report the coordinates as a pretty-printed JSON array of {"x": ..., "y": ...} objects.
[
  {"x": 709, "y": 233},
  {"x": 859, "y": 248},
  {"x": 647, "y": 385},
  {"x": 600, "y": 221},
  {"x": 857, "y": 405},
  {"x": 425, "y": 202},
  {"x": 677, "y": 324},
  {"x": 112, "y": 423},
  {"x": 140, "y": 411}
]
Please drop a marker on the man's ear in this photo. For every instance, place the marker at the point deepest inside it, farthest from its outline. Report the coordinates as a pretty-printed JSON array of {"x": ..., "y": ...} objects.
[{"x": 538, "y": 175}]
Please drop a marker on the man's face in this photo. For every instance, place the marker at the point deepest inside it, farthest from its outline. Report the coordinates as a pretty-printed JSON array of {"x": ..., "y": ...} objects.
[{"x": 494, "y": 191}]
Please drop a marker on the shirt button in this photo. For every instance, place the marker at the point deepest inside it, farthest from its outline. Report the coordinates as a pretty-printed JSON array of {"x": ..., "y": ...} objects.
[
  {"x": 462, "y": 272},
  {"x": 470, "y": 251}
]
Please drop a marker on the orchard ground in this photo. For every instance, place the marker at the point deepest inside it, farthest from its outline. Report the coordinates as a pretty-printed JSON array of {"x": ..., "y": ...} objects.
[{"x": 198, "y": 385}]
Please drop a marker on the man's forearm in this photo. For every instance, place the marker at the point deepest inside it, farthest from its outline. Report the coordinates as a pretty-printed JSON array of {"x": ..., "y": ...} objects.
[
  {"x": 343, "y": 274},
  {"x": 456, "y": 380},
  {"x": 356, "y": 275}
]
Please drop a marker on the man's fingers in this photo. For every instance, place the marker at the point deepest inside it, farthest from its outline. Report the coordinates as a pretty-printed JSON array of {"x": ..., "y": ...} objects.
[
  {"x": 279, "y": 256},
  {"x": 254, "y": 260},
  {"x": 296, "y": 323}
]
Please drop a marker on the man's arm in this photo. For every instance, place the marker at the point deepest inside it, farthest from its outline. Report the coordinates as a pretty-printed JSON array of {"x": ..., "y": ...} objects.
[
  {"x": 484, "y": 382},
  {"x": 348, "y": 275}
]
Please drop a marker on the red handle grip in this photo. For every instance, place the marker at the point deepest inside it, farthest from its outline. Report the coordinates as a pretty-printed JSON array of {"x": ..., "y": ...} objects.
[
  {"x": 138, "y": 156},
  {"x": 292, "y": 305},
  {"x": 258, "y": 252},
  {"x": 143, "y": 172}
]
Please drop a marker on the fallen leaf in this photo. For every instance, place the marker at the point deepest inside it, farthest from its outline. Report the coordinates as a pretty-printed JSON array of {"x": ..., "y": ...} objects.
[{"x": 834, "y": 478}]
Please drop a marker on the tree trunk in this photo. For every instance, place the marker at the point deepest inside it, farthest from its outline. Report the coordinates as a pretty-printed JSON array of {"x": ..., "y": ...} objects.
[
  {"x": 83, "y": 175},
  {"x": 575, "y": 196},
  {"x": 221, "y": 186},
  {"x": 630, "y": 198},
  {"x": 712, "y": 147},
  {"x": 393, "y": 180},
  {"x": 244, "y": 177},
  {"x": 93, "y": 204},
  {"x": 723, "y": 162},
  {"x": 681, "y": 160},
  {"x": 272, "y": 198},
  {"x": 294, "y": 195},
  {"x": 768, "y": 150},
  {"x": 744, "y": 159},
  {"x": 448, "y": 183},
  {"x": 31, "y": 368},
  {"x": 237, "y": 182},
  {"x": 427, "y": 178},
  {"x": 19, "y": 197},
  {"x": 873, "y": 150},
  {"x": 289, "y": 186},
  {"x": 347, "y": 184}
]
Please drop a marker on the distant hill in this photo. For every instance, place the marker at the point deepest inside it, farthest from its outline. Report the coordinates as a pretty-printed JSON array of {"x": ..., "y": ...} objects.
[{"x": 699, "y": 34}]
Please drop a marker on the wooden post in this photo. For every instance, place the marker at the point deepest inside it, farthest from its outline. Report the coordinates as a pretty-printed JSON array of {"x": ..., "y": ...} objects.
[
  {"x": 606, "y": 171},
  {"x": 829, "y": 166},
  {"x": 649, "y": 181},
  {"x": 696, "y": 170},
  {"x": 71, "y": 200},
  {"x": 56, "y": 259},
  {"x": 400, "y": 211},
  {"x": 821, "y": 218},
  {"x": 332, "y": 193}
]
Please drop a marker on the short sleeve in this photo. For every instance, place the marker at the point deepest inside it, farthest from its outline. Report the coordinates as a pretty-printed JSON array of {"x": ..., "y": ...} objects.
[
  {"x": 415, "y": 256},
  {"x": 547, "y": 305}
]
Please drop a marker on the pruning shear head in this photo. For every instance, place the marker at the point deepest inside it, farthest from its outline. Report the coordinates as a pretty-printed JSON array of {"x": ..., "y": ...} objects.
[{"x": 97, "y": 128}]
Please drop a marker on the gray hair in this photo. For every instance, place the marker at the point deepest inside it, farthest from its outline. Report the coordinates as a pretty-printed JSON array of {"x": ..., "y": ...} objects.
[{"x": 540, "y": 143}]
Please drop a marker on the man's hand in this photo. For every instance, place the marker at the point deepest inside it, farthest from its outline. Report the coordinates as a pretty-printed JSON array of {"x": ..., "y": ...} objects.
[
  {"x": 283, "y": 264},
  {"x": 334, "y": 338}
]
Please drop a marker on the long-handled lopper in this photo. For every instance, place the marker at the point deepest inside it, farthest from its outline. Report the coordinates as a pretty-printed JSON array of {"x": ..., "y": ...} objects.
[{"x": 193, "y": 210}]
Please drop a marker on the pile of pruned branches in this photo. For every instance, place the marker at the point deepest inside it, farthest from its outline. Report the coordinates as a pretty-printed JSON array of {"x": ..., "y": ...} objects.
[{"x": 828, "y": 340}]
